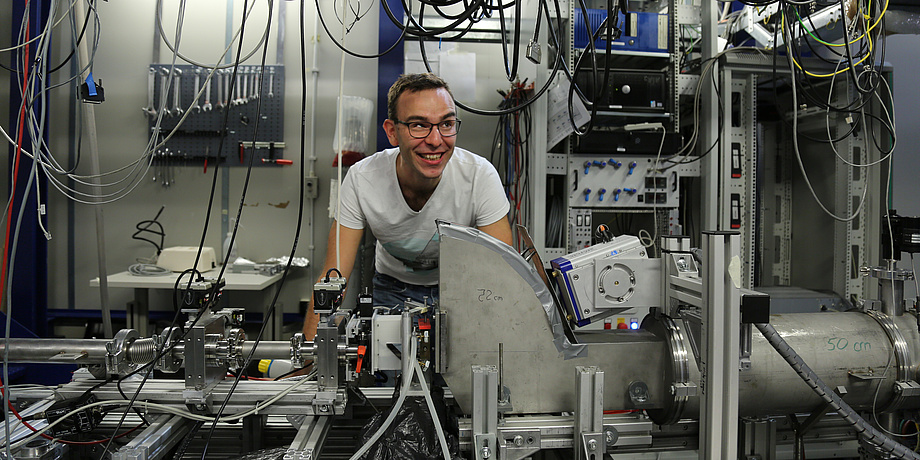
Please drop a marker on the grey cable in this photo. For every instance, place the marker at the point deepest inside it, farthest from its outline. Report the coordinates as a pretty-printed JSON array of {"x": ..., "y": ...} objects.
[
  {"x": 175, "y": 51},
  {"x": 863, "y": 428},
  {"x": 407, "y": 384},
  {"x": 426, "y": 392},
  {"x": 148, "y": 270}
]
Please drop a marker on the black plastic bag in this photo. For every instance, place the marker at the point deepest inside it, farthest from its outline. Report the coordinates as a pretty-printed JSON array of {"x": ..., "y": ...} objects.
[{"x": 412, "y": 433}]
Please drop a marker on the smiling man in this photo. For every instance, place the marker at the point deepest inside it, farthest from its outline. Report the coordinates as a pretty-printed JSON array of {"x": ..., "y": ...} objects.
[{"x": 399, "y": 193}]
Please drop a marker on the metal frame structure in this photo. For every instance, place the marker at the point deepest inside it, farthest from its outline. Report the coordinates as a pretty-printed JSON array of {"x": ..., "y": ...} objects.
[{"x": 647, "y": 370}]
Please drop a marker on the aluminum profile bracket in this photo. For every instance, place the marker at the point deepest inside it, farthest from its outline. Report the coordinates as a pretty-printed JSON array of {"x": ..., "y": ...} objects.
[
  {"x": 309, "y": 439},
  {"x": 157, "y": 440},
  {"x": 485, "y": 411},
  {"x": 590, "y": 442}
]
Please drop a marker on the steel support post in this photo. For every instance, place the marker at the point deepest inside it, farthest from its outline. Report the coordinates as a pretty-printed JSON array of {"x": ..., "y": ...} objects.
[
  {"x": 721, "y": 346},
  {"x": 709, "y": 164},
  {"x": 485, "y": 411},
  {"x": 326, "y": 357},
  {"x": 310, "y": 438},
  {"x": 589, "y": 413},
  {"x": 157, "y": 440}
]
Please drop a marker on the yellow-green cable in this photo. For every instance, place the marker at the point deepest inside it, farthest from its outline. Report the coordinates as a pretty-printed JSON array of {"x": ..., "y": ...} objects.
[
  {"x": 817, "y": 39},
  {"x": 869, "y": 53},
  {"x": 857, "y": 39}
]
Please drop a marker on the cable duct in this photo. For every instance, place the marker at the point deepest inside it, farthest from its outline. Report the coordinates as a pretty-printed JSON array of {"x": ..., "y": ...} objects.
[{"x": 865, "y": 430}]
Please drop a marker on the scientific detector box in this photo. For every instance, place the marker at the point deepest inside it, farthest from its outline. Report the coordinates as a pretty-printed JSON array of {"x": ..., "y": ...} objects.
[{"x": 182, "y": 258}]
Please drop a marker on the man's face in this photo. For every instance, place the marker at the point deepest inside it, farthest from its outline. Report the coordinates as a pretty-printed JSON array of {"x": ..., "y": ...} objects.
[{"x": 422, "y": 158}]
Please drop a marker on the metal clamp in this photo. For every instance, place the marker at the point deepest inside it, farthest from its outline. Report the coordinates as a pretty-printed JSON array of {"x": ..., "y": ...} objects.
[
  {"x": 116, "y": 358},
  {"x": 886, "y": 273},
  {"x": 169, "y": 362},
  {"x": 234, "y": 346},
  {"x": 679, "y": 373},
  {"x": 296, "y": 354},
  {"x": 905, "y": 387}
]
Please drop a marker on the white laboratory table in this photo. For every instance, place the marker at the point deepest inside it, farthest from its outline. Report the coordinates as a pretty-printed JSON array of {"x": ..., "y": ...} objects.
[{"x": 137, "y": 311}]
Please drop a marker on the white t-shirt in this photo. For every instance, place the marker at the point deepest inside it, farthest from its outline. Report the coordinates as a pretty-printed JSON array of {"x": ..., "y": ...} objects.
[{"x": 469, "y": 193}]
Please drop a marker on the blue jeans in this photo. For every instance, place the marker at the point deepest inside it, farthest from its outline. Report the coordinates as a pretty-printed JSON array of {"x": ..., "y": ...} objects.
[{"x": 391, "y": 292}]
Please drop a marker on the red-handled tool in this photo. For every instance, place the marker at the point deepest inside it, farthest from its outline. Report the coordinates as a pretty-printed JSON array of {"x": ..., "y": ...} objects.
[
  {"x": 278, "y": 161},
  {"x": 361, "y": 351}
]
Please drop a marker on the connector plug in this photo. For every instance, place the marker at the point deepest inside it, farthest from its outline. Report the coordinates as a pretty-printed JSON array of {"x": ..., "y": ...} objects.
[{"x": 533, "y": 53}]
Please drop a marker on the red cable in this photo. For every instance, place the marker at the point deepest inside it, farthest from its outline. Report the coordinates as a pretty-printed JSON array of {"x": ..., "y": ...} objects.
[
  {"x": 9, "y": 218},
  {"x": 22, "y": 116},
  {"x": 62, "y": 441}
]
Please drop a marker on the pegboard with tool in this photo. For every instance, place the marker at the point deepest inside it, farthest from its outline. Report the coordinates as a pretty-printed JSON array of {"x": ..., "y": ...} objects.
[{"x": 199, "y": 125}]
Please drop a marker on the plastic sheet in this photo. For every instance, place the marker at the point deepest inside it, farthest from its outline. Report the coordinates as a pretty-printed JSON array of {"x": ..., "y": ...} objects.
[
  {"x": 264, "y": 454},
  {"x": 300, "y": 262},
  {"x": 903, "y": 20},
  {"x": 412, "y": 434}
]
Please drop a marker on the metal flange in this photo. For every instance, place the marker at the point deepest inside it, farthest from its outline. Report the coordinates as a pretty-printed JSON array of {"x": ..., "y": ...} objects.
[
  {"x": 905, "y": 386},
  {"x": 678, "y": 375}
]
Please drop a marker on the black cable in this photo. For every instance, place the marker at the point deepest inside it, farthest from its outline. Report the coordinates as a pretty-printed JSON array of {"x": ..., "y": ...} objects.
[
  {"x": 352, "y": 53},
  {"x": 292, "y": 372},
  {"x": 857, "y": 105},
  {"x": 187, "y": 441},
  {"x": 357, "y": 13},
  {"x": 610, "y": 29},
  {"x": 330, "y": 271},
  {"x": 558, "y": 63},
  {"x": 852, "y": 68},
  {"x": 271, "y": 309},
  {"x": 589, "y": 50},
  {"x": 213, "y": 295},
  {"x": 476, "y": 111},
  {"x": 144, "y": 227},
  {"x": 239, "y": 211},
  {"x": 17, "y": 70},
  {"x": 511, "y": 72},
  {"x": 420, "y": 31}
]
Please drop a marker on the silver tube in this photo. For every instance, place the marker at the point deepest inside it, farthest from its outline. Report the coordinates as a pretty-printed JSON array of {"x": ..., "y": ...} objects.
[
  {"x": 844, "y": 349},
  {"x": 278, "y": 349},
  {"x": 891, "y": 292},
  {"x": 64, "y": 351},
  {"x": 93, "y": 351},
  {"x": 867, "y": 431}
]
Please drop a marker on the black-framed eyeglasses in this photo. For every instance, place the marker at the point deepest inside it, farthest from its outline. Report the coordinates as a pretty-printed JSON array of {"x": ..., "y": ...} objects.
[{"x": 421, "y": 129}]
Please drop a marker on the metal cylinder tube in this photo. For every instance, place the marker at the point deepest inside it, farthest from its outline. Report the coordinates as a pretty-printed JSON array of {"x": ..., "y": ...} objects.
[
  {"x": 277, "y": 349},
  {"x": 64, "y": 351},
  {"x": 891, "y": 292},
  {"x": 93, "y": 351},
  {"x": 849, "y": 350}
]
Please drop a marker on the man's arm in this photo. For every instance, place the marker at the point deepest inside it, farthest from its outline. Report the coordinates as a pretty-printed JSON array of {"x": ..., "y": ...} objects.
[
  {"x": 350, "y": 239},
  {"x": 500, "y": 229}
]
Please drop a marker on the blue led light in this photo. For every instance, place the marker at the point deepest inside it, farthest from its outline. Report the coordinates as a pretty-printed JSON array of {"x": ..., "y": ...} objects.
[{"x": 634, "y": 325}]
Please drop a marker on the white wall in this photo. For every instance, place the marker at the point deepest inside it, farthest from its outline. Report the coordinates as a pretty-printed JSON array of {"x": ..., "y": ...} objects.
[
  {"x": 124, "y": 53},
  {"x": 122, "y": 59}
]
